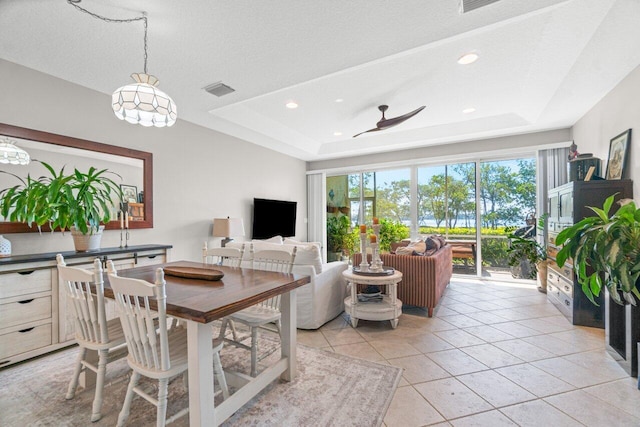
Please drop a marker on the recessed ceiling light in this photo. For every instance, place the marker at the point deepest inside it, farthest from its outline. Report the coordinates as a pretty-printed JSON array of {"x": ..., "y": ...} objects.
[
  {"x": 291, "y": 105},
  {"x": 339, "y": 100},
  {"x": 468, "y": 58},
  {"x": 469, "y": 110},
  {"x": 337, "y": 133}
]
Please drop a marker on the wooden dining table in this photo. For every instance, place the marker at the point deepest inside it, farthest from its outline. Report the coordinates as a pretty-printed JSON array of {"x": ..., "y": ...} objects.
[{"x": 200, "y": 302}]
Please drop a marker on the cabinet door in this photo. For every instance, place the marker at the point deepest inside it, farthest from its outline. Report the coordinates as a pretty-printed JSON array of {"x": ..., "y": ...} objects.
[{"x": 566, "y": 207}]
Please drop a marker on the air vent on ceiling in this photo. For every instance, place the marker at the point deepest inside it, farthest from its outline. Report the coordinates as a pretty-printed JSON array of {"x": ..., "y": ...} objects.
[
  {"x": 219, "y": 89},
  {"x": 469, "y": 5}
]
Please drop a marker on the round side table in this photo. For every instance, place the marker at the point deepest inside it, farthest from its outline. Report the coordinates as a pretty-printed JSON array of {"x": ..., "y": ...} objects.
[{"x": 390, "y": 308}]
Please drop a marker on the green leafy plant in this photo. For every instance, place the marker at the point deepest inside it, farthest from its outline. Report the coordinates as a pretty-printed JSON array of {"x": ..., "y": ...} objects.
[
  {"x": 605, "y": 251},
  {"x": 80, "y": 200},
  {"x": 337, "y": 230},
  {"x": 391, "y": 231},
  {"x": 525, "y": 249}
]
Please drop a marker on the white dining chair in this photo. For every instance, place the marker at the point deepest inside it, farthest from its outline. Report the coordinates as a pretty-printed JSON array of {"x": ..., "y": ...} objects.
[
  {"x": 154, "y": 350},
  {"x": 265, "y": 313},
  {"x": 85, "y": 293},
  {"x": 231, "y": 257}
]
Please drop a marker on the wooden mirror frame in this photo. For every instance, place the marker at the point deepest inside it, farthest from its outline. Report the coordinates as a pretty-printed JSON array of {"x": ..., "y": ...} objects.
[{"x": 67, "y": 141}]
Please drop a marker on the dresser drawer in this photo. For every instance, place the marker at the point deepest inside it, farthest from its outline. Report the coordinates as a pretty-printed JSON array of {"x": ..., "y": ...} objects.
[
  {"x": 24, "y": 311},
  {"x": 561, "y": 283},
  {"x": 150, "y": 260},
  {"x": 24, "y": 283},
  {"x": 560, "y": 300},
  {"x": 25, "y": 340}
]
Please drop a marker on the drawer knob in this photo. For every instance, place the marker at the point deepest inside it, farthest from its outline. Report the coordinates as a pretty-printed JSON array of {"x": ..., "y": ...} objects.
[
  {"x": 27, "y": 301},
  {"x": 567, "y": 288},
  {"x": 567, "y": 303}
]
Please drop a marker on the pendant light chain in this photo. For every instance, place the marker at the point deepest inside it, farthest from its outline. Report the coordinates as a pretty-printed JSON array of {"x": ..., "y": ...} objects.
[{"x": 142, "y": 18}]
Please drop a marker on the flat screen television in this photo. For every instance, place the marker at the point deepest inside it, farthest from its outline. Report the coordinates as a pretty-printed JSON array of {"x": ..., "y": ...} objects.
[{"x": 273, "y": 218}]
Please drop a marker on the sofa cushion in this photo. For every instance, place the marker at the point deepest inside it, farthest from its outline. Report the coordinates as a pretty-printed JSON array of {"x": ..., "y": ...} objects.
[{"x": 306, "y": 253}]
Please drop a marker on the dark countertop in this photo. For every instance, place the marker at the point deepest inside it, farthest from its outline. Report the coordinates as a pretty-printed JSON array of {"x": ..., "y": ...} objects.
[{"x": 51, "y": 256}]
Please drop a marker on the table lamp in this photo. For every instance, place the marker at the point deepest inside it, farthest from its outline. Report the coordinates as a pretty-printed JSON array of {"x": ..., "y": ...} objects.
[{"x": 227, "y": 228}]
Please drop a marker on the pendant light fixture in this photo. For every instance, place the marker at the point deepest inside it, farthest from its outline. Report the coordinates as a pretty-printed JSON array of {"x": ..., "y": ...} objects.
[
  {"x": 140, "y": 102},
  {"x": 10, "y": 154}
]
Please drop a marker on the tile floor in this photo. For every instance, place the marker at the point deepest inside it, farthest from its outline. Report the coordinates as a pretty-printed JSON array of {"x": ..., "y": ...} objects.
[{"x": 494, "y": 354}]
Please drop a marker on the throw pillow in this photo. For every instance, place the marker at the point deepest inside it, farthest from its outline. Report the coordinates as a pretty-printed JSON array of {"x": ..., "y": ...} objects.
[
  {"x": 309, "y": 255},
  {"x": 416, "y": 247},
  {"x": 274, "y": 239}
]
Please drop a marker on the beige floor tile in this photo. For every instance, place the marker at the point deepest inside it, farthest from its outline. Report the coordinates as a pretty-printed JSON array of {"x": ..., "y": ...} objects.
[
  {"x": 419, "y": 369},
  {"x": 362, "y": 350},
  {"x": 429, "y": 343},
  {"x": 489, "y": 333},
  {"x": 607, "y": 366},
  {"x": 457, "y": 362},
  {"x": 342, "y": 336},
  {"x": 623, "y": 394},
  {"x": 591, "y": 411},
  {"x": 392, "y": 349},
  {"x": 459, "y": 338},
  {"x": 408, "y": 408},
  {"x": 538, "y": 413},
  {"x": 340, "y": 322},
  {"x": 444, "y": 311},
  {"x": 452, "y": 398},
  {"x": 552, "y": 345},
  {"x": 463, "y": 298},
  {"x": 535, "y": 380},
  {"x": 515, "y": 329},
  {"x": 491, "y": 356},
  {"x": 486, "y": 317},
  {"x": 496, "y": 389},
  {"x": 570, "y": 372},
  {"x": 524, "y": 350},
  {"x": 513, "y": 314},
  {"x": 461, "y": 321},
  {"x": 403, "y": 382},
  {"x": 507, "y": 303},
  {"x": 486, "y": 419},
  {"x": 580, "y": 340},
  {"x": 463, "y": 308},
  {"x": 312, "y": 338},
  {"x": 542, "y": 326}
]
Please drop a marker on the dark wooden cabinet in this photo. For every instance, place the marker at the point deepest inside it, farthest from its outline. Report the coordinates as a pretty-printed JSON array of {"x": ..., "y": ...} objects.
[{"x": 569, "y": 204}]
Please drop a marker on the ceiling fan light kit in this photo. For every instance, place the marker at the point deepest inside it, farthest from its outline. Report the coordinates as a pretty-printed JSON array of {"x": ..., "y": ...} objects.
[
  {"x": 385, "y": 123},
  {"x": 140, "y": 102}
]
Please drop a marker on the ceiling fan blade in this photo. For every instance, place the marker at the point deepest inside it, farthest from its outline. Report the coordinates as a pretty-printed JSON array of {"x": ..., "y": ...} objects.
[
  {"x": 370, "y": 130},
  {"x": 387, "y": 123}
]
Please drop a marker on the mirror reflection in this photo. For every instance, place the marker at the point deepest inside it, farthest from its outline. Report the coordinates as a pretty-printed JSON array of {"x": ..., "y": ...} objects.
[{"x": 131, "y": 169}]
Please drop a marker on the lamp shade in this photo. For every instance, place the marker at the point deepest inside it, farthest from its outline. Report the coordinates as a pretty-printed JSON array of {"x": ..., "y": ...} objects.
[
  {"x": 228, "y": 227},
  {"x": 10, "y": 154},
  {"x": 142, "y": 103}
]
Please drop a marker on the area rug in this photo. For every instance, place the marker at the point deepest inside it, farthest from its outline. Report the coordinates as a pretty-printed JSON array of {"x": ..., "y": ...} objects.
[{"x": 330, "y": 390}]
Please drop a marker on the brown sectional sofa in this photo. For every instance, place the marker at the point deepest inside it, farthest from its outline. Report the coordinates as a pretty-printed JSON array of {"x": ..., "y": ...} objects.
[{"x": 424, "y": 278}]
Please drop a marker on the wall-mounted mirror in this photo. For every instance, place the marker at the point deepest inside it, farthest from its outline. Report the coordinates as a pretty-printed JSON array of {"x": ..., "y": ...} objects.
[{"x": 135, "y": 167}]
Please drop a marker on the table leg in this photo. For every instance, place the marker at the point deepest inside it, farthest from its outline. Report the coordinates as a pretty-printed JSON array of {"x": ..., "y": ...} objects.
[
  {"x": 201, "y": 393},
  {"x": 354, "y": 301},
  {"x": 288, "y": 334}
]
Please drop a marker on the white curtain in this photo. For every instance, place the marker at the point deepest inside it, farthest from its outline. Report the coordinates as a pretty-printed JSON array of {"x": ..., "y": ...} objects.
[
  {"x": 317, "y": 210},
  {"x": 552, "y": 172}
]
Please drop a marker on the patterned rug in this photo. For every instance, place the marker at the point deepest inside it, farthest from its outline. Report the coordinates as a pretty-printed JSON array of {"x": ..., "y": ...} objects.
[{"x": 329, "y": 390}]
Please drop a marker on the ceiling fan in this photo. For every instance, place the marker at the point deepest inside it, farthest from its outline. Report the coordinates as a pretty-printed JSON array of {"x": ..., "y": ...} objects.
[{"x": 385, "y": 123}]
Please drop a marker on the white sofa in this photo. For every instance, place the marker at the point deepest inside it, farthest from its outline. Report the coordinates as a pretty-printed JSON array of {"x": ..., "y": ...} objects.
[{"x": 322, "y": 299}]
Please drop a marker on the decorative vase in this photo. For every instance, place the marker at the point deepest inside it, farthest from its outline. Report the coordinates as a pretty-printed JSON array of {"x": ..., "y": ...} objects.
[
  {"x": 87, "y": 242},
  {"x": 5, "y": 247},
  {"x": 542, "y": 276}
]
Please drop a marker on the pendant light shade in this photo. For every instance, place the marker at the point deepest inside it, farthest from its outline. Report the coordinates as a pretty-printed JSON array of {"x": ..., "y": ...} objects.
[
  {"x": 142, "y": 103},
  {"x": 10, "y": 154}
]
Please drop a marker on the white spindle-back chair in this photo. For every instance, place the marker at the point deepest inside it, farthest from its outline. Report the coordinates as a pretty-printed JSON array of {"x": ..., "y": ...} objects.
[
  {"x": 264, "y": 313},
  {"x": 85, "y": 293},
  {"x": 154, "y": 351},
  {"x": 231, "y": 257}
]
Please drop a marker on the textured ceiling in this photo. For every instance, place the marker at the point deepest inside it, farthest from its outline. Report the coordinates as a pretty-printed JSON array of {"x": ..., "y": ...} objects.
[{"x": 542, "y": 64}]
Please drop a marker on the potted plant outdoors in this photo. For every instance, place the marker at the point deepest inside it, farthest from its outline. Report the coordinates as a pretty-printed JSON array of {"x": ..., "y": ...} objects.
[
  {"x": 78, "y": 202},
  {"x": 605, "y": 251},
  {"x": 337, "y": 230},
  {"x": 528, "y": 258}
]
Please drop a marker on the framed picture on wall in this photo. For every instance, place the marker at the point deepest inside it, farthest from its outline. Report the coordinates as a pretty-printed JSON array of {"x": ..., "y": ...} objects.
[
  {"x": 618, "y": 148},
  {"x": 129, "y": 193}
]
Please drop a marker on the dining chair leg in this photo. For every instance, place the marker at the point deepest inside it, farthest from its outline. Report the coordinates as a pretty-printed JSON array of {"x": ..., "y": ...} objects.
[
  {"x": 219, "y": 374},
  {"x": 102, "y": 370},
  {"x": 126, "y": 407},
  {"x": 254, "y": 351},
  {"x": 163, "y": 392},
  {"x": 73, "y": 384}
]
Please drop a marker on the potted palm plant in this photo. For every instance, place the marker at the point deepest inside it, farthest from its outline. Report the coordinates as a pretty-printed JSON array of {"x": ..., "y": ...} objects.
[
  {"x": 528, "y": 258},
  {"x": 78, "y": 202}
]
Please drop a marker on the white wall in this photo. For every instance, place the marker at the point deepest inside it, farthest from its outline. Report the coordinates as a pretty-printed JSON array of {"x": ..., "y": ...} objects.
[
  {"x": 618, "y": 111},
  {"x": 199, "y": 174}
]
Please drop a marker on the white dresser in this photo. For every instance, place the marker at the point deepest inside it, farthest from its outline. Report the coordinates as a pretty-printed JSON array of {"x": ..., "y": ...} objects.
[{"x": 33, "y": 308}]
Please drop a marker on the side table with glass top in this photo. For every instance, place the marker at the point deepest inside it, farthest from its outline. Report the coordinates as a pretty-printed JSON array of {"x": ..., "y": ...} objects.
[{"x": 389, "y": 308}]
